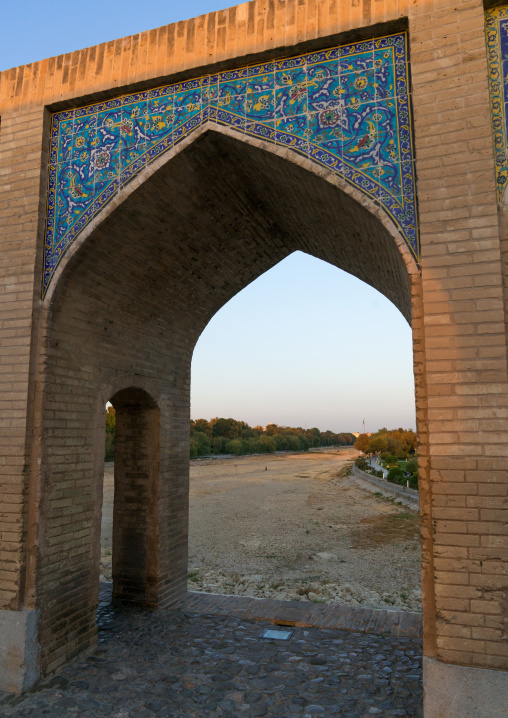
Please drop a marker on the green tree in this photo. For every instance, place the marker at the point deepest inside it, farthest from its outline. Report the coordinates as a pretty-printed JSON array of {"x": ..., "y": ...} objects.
[
  {"x": 203, "y": 442},
  {"x": 294, "y": 443},
  {"x": 203, "y": 425},
  {"x": 229, "y": 428},
  {"x": 109, "y": 454},
  {"x": 219, "y": 445},
  {"x": 266, "y": 444},
  {"x": 235, "y": 446},
  {"x": 215, "y": 435},
  {"x": 193, "y": 449}
]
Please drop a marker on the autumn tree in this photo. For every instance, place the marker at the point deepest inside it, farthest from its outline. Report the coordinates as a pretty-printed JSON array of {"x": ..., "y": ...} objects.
[{"x": 362, "y": 443}]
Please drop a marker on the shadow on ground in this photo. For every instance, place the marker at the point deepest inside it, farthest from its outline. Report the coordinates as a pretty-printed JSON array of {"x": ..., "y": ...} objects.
[{"x": 176, "y": 664}]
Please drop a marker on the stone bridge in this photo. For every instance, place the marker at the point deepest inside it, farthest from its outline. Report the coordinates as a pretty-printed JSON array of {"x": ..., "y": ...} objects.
[{"x": 143, "y": 183}]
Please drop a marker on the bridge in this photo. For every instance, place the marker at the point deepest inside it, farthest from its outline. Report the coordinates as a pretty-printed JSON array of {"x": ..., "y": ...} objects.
[{"x": 147, "y": 180}]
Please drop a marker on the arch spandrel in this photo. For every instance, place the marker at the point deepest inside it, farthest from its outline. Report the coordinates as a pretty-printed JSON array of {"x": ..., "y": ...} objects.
[{"x": 345, "y": 109}]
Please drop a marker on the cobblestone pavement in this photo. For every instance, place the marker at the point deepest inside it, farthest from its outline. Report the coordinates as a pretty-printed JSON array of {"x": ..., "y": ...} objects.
[{"x": 175, "y": 664}]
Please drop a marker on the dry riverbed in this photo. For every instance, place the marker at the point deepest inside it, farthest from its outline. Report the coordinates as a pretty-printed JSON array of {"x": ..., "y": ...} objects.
[{"x": 294, "y": 527}]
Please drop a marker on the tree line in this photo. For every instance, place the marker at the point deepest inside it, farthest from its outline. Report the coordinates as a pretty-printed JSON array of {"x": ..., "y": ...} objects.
[{"x": 230, "y": 436}]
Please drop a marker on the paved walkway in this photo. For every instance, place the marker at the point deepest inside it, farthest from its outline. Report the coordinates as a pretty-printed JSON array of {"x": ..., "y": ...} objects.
[
  {"x": 376, "y": 465},
  {"x": 190, "y": 664}
]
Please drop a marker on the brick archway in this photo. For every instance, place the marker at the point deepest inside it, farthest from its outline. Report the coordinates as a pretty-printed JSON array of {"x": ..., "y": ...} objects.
[
  {"x": 56, "y": 353},
  {"x": 132, "y": 299}
]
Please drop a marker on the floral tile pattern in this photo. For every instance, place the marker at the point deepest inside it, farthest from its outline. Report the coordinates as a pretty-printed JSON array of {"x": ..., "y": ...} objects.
[
  {"x": 346, "y": 108},
  {"x": 496, "y": 35}
]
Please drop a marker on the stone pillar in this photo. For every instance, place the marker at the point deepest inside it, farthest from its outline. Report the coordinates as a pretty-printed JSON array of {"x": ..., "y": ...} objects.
[
  {"x": 135, "y": 509},
  {"x": 465, "y": 358},
  {"x": 23, "y": 157}
]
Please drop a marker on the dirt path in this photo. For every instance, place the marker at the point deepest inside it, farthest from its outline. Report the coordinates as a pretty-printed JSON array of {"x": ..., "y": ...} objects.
[{"x": 291, "y": 527}]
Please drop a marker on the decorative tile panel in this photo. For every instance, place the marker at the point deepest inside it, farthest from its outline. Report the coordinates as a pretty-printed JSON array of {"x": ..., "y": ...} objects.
[
  {"x": 346, "y": 108},
  {"x": 496, "y": 35}
]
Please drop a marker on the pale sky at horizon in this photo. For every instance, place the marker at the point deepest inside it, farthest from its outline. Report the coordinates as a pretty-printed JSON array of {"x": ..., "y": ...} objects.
[{"x": 305, "y": 344}]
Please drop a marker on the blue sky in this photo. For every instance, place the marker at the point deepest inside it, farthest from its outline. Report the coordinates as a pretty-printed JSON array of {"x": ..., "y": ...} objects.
[{"x": 306, "y": 344}]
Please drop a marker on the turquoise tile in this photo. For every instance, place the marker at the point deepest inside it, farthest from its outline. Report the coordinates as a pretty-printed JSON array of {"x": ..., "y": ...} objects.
[
  {"x": 105, "y": 164},
  {"x": 185, "y": 113},
  {"x": 236, "y": 87},
  {"x": 291, "y": 76},
  {"x": 260, "y": 105},
  {"x": 297, "y": 125},
  {"x": 161, "y": 104},
  {"x": 289, "y": 63},
  {"x": 291, "y": 100},
  {"x": 232, "y": 76},
  {"x": 322, "y": 71},
  {"x": 188, "y": 98},
  {"x": 264, "y": 130},
  {"x": 357, "y": 88},
  {"x": 232, "y": 103},
  {"x": 158, "y": 125},
  {"x": 330, "y": 55},
  {"x": 210, "y": 92},
  {"x": 358, "y": 62},
  {"x": 64, "y": 149},
  {"x": 324, "y": 95},
  {"x": 327, "y": 126},
  {"x": 263, "y": 81},
  {"x": 346, "y": 108}
]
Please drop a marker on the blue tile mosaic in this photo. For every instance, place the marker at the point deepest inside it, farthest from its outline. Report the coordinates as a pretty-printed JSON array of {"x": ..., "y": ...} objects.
[
  {"x": 346, "y": 108},
  {"x": 496, "y": 35}
]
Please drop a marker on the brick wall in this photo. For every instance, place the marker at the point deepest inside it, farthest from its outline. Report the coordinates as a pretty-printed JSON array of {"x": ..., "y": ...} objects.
[
  {"x": 465, "y": 338},
  {"x": 22, "y": 176}
]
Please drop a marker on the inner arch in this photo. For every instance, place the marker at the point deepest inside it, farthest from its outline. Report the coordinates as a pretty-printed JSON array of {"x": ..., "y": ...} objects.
[{"x": 127, "y": 310}]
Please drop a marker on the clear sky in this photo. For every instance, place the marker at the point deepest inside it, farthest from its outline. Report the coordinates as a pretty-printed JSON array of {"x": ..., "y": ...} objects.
[{"x": 306, "y": 344}]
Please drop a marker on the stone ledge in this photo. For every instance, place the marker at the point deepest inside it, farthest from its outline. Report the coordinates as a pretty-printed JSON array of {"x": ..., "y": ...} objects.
[
  {"x": 19, "y": 650},
  {"x": 452, "y": 691},
  {"x": 309, "y": 615}
]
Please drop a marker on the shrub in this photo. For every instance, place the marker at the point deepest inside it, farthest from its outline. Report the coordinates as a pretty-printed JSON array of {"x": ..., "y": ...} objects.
[
  {"x": 361, "y": 463},
  {"x": 396, "y": 476},
  {"x": 413, "y": 481},
  {"x": 412, "y": 466}
]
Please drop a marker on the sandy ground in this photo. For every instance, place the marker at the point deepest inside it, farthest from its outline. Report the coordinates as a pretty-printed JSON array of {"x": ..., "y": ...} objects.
[{"x": 294, "y": 527}]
